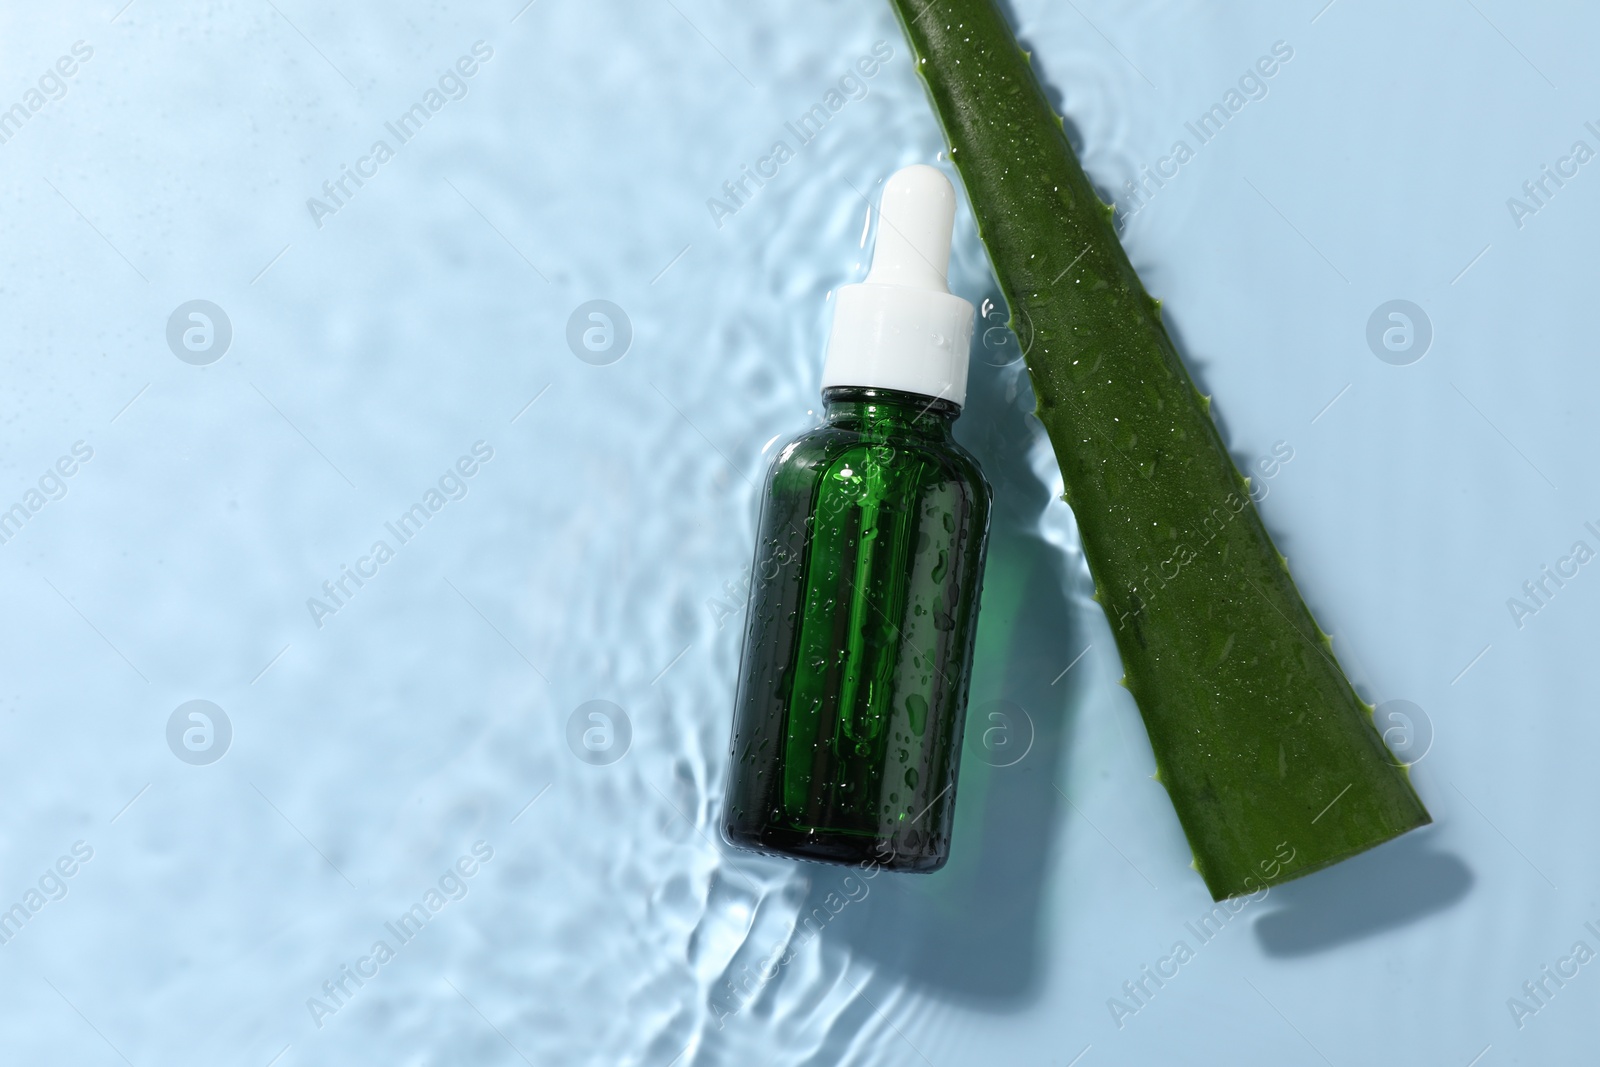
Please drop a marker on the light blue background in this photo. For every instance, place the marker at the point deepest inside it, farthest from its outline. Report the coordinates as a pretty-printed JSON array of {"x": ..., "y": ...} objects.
[{"x": 596, "y": 554}]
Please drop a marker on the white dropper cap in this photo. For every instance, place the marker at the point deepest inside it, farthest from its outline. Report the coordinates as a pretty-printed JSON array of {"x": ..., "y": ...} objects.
[{"x": 902, "y": 328}]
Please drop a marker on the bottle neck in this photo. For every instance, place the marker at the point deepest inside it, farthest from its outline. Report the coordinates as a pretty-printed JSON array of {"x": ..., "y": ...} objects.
[{"x": 880, "y": 412}]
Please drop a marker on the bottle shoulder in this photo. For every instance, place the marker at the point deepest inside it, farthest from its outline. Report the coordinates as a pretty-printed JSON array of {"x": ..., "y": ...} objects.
[
  {"x": 817, "y": 451},
  {"x": 969, "y": 467}
]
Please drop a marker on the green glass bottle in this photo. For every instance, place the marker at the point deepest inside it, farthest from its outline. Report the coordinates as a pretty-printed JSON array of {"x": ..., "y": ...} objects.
[{"x": 869, "y": 557}]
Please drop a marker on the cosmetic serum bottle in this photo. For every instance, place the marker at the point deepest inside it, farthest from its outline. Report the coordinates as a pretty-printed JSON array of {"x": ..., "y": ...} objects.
[{"x": 869, "y": 557}]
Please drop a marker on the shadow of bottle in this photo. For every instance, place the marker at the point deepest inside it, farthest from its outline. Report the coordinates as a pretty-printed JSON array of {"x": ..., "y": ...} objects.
[
  {"x": 970, "y": 931},
  {"x": 1392, "y": 886}
]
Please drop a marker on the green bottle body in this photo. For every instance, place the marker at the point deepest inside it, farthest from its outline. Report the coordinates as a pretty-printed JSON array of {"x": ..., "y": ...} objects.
[{"x": 859, "y": 636}]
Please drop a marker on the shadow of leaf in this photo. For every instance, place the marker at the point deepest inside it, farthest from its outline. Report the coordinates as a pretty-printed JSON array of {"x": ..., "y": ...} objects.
[{"x": 1390, "y": 887}]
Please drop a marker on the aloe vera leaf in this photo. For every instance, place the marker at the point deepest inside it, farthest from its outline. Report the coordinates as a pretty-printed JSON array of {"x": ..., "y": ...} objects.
[{"x": 1271, "y": 759}]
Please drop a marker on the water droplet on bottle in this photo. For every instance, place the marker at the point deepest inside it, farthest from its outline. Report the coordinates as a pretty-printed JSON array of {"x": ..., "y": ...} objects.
[{"x": 917, "y": 709}]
